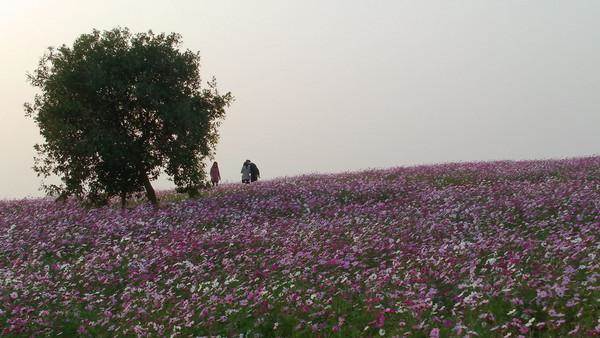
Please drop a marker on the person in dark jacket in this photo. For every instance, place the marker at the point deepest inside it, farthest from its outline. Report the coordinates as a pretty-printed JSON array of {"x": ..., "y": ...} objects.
[
  {"x": 246, "y": 172},
  {"x": 254, "y": 172}
]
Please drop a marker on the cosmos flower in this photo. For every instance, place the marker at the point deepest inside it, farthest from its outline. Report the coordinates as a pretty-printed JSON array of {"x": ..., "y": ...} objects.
[{"x": 473, "y": 248}]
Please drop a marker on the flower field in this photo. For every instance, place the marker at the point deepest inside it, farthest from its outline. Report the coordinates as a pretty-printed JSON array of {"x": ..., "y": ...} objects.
[{"x": 476, "y": 249}]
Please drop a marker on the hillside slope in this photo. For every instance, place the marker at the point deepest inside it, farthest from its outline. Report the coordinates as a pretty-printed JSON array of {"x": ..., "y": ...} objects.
[{"x": 487, "y": 248}]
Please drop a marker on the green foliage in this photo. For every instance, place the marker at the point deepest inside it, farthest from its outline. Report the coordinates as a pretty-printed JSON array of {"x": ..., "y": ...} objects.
[{"x": 117, "y": 108}]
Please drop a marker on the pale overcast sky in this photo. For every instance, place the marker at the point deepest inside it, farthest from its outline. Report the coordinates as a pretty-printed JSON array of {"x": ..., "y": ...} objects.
[{"x": 328, "y": 86}]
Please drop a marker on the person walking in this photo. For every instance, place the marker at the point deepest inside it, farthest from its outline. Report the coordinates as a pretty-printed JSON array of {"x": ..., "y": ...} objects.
[
  {"x": 246, "y": 172},
  {"x": 215, "y": 175},
  {"x": 254, "y": 172}
]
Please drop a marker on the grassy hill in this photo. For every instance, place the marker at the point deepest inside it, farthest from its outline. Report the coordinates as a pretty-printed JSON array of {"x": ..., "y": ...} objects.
[{"x": 482, "y": 249}]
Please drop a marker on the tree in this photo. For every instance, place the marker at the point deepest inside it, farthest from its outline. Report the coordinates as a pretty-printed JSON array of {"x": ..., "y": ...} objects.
[{"x": 117, "y": 108}]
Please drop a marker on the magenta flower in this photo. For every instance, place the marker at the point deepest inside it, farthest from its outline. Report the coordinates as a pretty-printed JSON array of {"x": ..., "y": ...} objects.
[{"x": 414, "y": 250}]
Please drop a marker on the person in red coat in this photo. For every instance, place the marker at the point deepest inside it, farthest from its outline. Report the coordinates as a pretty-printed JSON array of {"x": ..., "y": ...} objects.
[{"x": 215, "y": 176}]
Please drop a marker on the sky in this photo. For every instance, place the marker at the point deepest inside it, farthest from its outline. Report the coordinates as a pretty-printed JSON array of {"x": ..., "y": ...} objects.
[{"x": 340, "y": 85}]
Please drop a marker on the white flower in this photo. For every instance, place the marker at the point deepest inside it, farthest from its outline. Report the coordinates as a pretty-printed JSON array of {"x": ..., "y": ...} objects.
[
  {"x": 490, "y": 261},
  {"x": 530, "y": 322},
  {"x": 381, "y": 332}
]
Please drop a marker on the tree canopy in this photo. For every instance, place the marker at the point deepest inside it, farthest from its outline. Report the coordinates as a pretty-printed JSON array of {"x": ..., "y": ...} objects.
[{"x": 116, "y": 109}]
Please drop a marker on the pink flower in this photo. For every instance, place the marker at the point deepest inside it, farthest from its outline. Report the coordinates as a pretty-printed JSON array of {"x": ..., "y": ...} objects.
[
  {"x": 541, "y": 294},
  {"x": 574, "y": 331},
  {"x": 380, "y": 321},
  {"x": 435, "y": 333}
]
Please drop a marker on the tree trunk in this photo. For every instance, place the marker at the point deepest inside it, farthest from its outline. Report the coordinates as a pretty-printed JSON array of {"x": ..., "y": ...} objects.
[
  {"x": 123, "y": 200},
  {"x": 150, "y": 194}
]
